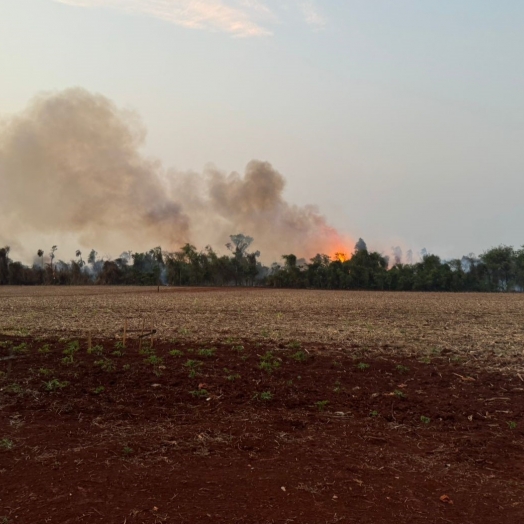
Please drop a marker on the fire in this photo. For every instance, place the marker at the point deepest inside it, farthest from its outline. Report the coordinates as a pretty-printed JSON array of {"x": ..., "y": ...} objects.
[{"x": 341, "y": 257}]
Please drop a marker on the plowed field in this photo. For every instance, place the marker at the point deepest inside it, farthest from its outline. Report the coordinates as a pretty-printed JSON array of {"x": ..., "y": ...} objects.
[{"x": 260, "y": 406}]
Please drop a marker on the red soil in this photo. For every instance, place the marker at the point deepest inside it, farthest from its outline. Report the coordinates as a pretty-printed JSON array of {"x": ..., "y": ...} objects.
[{"x": 146, "y": 450}]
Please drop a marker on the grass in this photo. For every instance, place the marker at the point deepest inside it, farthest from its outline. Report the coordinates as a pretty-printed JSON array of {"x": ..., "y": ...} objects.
[{"x": 176, "y": 353}]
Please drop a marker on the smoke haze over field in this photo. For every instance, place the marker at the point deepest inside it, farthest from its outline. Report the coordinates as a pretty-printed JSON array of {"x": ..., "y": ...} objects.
[{"x": 71, "y": 167}]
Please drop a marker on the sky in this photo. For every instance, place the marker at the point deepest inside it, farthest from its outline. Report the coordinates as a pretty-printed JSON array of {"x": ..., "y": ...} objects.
[{"x": 402, "y": 120}]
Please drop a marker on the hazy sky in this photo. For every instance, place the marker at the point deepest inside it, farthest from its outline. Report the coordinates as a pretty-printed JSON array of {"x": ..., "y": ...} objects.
[{"x": 403, "y": 120}]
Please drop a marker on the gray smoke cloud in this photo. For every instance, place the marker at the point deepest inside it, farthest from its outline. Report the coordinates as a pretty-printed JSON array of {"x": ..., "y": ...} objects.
[{"x": 71, "y": 167}]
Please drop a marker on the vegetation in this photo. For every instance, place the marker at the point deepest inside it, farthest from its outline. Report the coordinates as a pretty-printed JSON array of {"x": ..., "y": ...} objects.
[{"x": 497, "y": 269}]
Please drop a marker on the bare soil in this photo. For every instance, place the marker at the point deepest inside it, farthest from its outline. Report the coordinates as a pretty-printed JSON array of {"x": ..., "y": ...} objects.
[{"x": 254, "y": 431}]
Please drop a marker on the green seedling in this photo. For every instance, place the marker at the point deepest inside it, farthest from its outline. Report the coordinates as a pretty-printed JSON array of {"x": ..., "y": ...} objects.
[
  {"x": 105, "y": 364},
  {"x": 269, "y": 362},
  {"x": 154, "y": 360},
  {"x": 512, "y": 425},
  {"x": 21, "y": 348},
  {"x": 14, "y": 388},
  {"x": 399, "y": 394},
  {"x": 176, "y": 353},
  {"x": 96, "y": 350},
  {"x": 98, "y": 390},
  {"x": 425, "y": 420},
  {"x": 209, "y": 352},
  {"x": 321, "y": 404},
  {"x": 6, "y": 444},
  {"x": 55, "y": 384},
  {"x": 402, "y": 369},
  {"x": 300, "y": 356},
  {"x": 266, "y": 396},
  {"x": 199, "y": 393},
  {"x": 363, "y": 366}
]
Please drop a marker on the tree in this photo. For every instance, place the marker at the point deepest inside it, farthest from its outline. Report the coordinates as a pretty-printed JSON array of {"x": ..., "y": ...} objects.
[
  {"x": 4, "y": 265},
  {"x": 52, "y": 255},
  {"x": 360, "y": 246}
]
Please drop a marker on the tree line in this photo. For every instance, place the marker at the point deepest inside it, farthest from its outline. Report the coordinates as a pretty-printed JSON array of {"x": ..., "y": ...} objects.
[{"x": 497, "y": 269}]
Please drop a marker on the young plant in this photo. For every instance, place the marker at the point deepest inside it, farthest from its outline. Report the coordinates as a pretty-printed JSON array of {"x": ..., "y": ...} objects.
[
  {"x": 98, "y": 390},
  {"x": 154, "y": 360},
  {"x": 512, "y": 425},
  {"x": 21, "y": 348},
  {"x": 105, "y": 364},
  {"x": 44, "y": 350},
  {"x": 6, "y": 444},
  {"x": 321, "y": 404},
  {"x": 55, "y": 384},
  {"x": 127, "y": 451},
  {"x": 266, "y": 396},
  {"x": 373, "y": 413},
  {"x": 399, "y": 394},
  {"x": 425, "y": 420},
  {"x": 363, "y": 366},
  {"x": 402, "y": 369},
  {"x": 209, "y": 352},
  {"x": 193, "y": 366},
  {"x": 231, "y": 376},
  {"x": 294, "y": 344},
  {"x": 199, "y": 393},
  {"x": 96, "y": 350},
  {"x": 300, "y": 356},
  {"x": 269, "y": 362},
  {"x": 176, "y": 353}
]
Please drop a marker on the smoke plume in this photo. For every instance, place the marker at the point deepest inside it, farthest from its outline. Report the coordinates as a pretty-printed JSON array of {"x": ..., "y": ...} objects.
[{"x": 71, "y": 166}]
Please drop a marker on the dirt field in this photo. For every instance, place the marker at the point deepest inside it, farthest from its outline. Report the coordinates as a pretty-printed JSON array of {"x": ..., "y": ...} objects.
[{"x": 260, "y": 406}]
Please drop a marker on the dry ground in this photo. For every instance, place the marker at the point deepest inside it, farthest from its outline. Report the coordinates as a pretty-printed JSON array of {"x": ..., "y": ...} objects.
[{"x": 476, "y": 328}]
